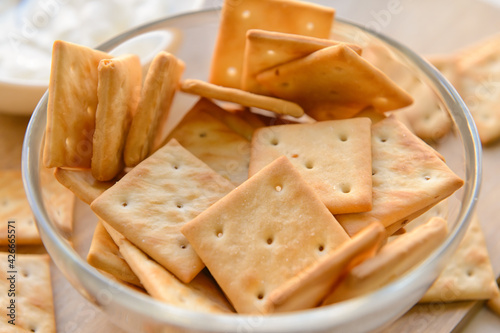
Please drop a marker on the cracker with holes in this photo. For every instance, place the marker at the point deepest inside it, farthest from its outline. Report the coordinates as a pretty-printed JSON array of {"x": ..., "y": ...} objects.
[
  {"x": 308, "y": 288},
  {"x": 409, "y": 177},
  {"x": 333, "y": 157},
  {"x": 118, "y": 92},
  {"x": 82, "y": 183},
  {"x": 468, "y": 275},
  {"x": 262, "y": 234},
  {"x": 151, "y": 203},
  {"x": 266, "y": 49},
  {"x": 15, "y": 207},
  {"x": 214, "y": 143},
  {"x": 72, "y": 105},
  {"x": 199, "y": 295},
  {"x": 274, "y": 15},
  {"x": 158, "y": 92},
  {"x": 344, "y": 84},
  {"x": 393, "y": 260},
  {"x": 104, "y": 255},
  {"x": 34, "y": 306},
  {"x": 242, "y": 97},
  {"x": 479, "y": 69}
]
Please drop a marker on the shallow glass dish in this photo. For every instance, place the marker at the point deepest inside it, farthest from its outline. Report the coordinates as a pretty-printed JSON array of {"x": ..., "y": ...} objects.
[{"x": 191, "y": 37}]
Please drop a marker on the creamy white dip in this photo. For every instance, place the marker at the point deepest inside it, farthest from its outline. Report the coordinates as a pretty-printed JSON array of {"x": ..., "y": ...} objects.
[{"x": 28, "y": 28}]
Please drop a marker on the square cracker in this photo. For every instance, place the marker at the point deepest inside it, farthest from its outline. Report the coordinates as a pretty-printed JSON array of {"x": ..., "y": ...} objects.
[
  {"x": 72, "y": 105},
  {"x": 479, "y": 70},
  {"x": 199, "y": 295},
  {"x": 393, "y": 260},
  {"x": 118, "y": 91},
  {"x": 468, "y": 275},
  {"x": 15, "y": 207},
  {"x": 333, "y": 157},
  {"x": 82, "y": 183},
  {"x": 104, "y": 255},
  {"x": 344, "y": 84},
  {"x": 309, "y": 287},
  {"x": 266, "y": 49},
  {"x": 262, "y": 234},
  {"x": 409, "y": 177},
  {"x": 214, "y": 143},
  {"x": 34, "y": 299},
  {"x": 151, "y": 203},
  {"x": 157, "y": 95},
  {"x": 274, "y": 15},
  {"x": 242, "y": 97}
]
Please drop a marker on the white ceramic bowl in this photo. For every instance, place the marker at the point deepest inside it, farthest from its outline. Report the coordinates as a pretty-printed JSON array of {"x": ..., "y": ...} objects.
[{"x": 136, "y": 312}]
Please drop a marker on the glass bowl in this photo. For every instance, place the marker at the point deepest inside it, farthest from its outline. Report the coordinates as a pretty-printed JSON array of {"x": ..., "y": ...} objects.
[{"x": 192, "y": 38}]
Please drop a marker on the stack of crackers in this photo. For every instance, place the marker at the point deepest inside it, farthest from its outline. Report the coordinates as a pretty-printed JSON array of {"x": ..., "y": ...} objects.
[{"x": 289, "y": 184}]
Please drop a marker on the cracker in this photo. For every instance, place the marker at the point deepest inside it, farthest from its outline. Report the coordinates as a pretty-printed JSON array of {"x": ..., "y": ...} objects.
[
  {"x": 160, "y": 86},
  {"x": 333, "y": 157},
  {"x": 409, "y": 177},
  {"x": 393, "y": 260},
  {"x": 274, "y": 15},
  {"x": 72, "y": 104},
  {"x": 479, "y": 68},
  {"x": 104, "y": 255},
  {"x": 151, "y": 203},
  {"x": 214, "y": 143},
  {"x": 468, "y": 274},
  {"x": 164, "y": 286},
  {"x": 266, "y": 49},
  {"x": 242, "y": 97},
  {"x": 262, "y": 234},
  {"x": 118, "y": 92},
  {"x": 344, "y": 83},
  {"x": 309, "y": 287},
  {"x": 82, "y": 183},
  {"x": 15, "y": 207},
  {"x": 34, "y": 305}
]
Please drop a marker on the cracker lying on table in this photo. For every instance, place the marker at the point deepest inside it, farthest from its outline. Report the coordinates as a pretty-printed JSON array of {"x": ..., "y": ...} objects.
[
  {"x": 479, "y": 68},
  {"x": 213, "y": 142},
  {"x": 15, "y": 207},
  {"x": 160, "y": 86},
  {"x": 151, "y": 203},
  {"x": 468, "y": 274},
  {"x": 409, "y": 177},
  {"x": 242, "y": 97},
  {"x": 308, "y": 288},
  {"x": 82, "y": 183},
  {"x": 162, "y": 285},
  {"x": 34, "y": 306},
  {"x": 104, "y": 255},
  {"x": 494, "y": 304},
  {"x": 344, "y": 84},
  {"x": 262, "y": 234},
  {"x": 118, "y": 92},
  {"x": 333, "y": 157},
  {"x": 237, "y": 18},
  {"x": 393, "y": 260},
  {"x": 71, "y": 105},
  {"x": 266, "y": 49}
]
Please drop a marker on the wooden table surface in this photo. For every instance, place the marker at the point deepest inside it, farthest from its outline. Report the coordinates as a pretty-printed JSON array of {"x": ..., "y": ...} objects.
[{"x": 428, "y": 27}]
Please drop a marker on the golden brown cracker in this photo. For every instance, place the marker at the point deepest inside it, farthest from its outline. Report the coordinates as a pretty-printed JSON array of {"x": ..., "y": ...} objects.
[
  {"x": 262, "y": 234},
  {"x": 151, "y": 203},
  {"x": 274, "y": 15},
  {"x": 333, "y": 157},
  {"x": 72, "y": 105},
  {"x": 118, "y": 91}
]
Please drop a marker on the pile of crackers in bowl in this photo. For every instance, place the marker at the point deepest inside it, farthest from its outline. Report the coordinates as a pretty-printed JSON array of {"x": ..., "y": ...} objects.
[{"x": 289, "y": 184}]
